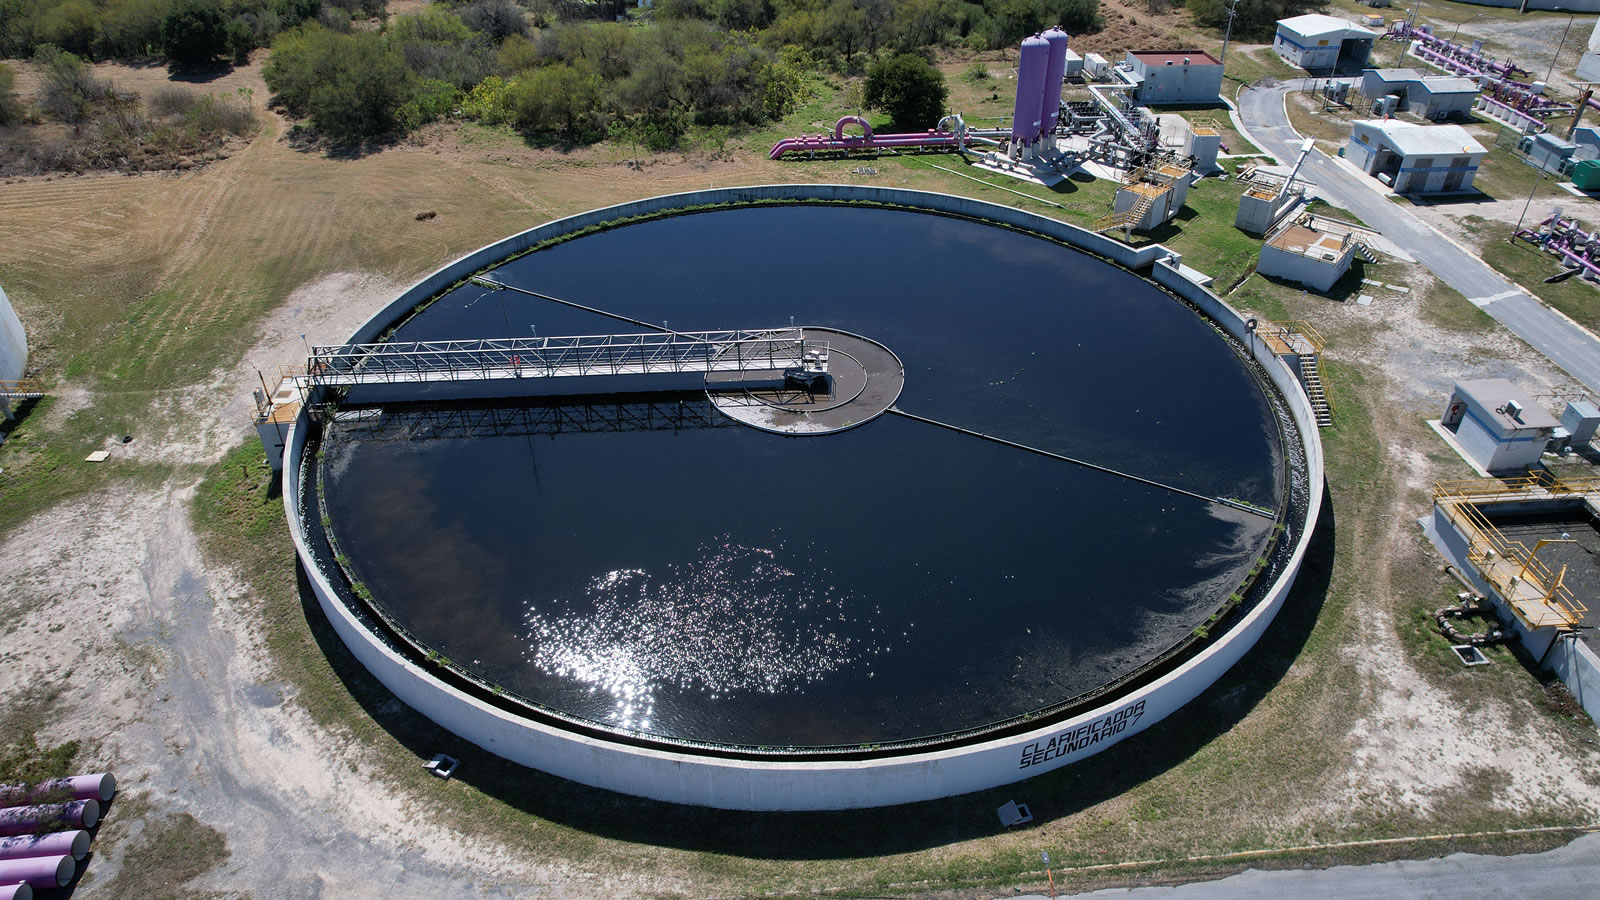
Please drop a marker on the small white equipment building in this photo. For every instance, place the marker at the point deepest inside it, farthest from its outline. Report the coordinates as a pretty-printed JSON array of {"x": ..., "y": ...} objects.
[
  {"x": 1172, "y": 76},
  {"x": 1379, "y": 83},
  {"x": 1415, "y": 159},
  {"x": 1497, "y": 425},
  {"x": 1443, "y": 96},
  {"x": 1319, "y": 43}
]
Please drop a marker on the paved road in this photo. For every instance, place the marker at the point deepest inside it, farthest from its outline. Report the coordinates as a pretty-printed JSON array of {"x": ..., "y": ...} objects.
[
  {"x": 1563, "y": 872},
  {"x": 1564, "y": 343}
]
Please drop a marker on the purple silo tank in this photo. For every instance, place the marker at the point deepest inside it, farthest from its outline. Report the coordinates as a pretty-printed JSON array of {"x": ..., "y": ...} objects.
[
  {"x": 1055, "y": 71},
  {"x": 23, "y": 891},
  {"x": 1030, "y": 89}
]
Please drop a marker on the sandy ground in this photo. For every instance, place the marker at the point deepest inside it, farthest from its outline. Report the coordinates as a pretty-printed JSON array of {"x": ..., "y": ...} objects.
[{"x": 164, "y": 673}]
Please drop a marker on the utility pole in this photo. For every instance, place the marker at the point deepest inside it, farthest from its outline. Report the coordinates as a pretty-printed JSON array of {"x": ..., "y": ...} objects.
[
  {"x": 1559, "y": 45},
  {"x": 1405, "y": 42},
  {"x": 1233, "y": 10}
]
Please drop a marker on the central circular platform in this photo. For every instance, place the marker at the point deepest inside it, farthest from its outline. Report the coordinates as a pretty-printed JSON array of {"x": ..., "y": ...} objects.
[{"x": 864, "y": 379}]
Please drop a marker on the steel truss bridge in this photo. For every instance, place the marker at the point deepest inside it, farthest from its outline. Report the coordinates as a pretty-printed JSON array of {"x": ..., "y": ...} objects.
[
  {"x": 766, "y": 351},
  {"x": 569, "y": 415}
]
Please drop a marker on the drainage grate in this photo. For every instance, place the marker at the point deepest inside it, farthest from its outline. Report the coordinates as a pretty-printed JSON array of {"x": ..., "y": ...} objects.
[{"x": 1470, "y": 655}]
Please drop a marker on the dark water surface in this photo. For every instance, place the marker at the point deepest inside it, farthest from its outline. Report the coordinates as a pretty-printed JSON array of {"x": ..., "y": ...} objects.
[{"x": 891, "y": 582}]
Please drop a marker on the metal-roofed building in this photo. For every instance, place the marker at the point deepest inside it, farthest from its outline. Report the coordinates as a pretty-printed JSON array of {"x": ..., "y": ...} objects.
[
  {"x": 1497, "y": 425},
  {"x": 1378, "y": 83},
  {"x": 1443, "y": 96},
  {"x": 1415, "y": 159},
  {"x": 1173, "y": 76},
  {"x": 1319, "y": 43}
]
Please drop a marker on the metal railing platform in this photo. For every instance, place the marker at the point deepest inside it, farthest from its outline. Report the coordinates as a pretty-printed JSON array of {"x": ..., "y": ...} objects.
[
  {"x": 26, "y": 389},
  {"x": 771, "y": 350}
]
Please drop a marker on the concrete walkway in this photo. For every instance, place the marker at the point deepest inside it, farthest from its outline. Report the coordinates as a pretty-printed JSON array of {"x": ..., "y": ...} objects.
[
  {"x": 1564, "y": 872},
  {"x": 1262, "y": 119}
]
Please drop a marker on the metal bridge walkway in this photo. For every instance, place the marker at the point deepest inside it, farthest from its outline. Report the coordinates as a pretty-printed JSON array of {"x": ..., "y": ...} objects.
[{"x": 764, "y": 351}]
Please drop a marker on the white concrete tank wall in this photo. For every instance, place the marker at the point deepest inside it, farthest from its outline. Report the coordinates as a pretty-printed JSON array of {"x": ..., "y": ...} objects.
[
  {"x": 683, "y": 777},
  {"x": 13, "y": 342}
]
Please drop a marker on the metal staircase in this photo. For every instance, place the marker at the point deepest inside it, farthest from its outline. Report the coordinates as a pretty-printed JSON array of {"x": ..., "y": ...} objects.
[
  {"x": 1311, "y": 380},
  {"x": 1366, "y": 252},
  {"x": 1126, "y": 219}
]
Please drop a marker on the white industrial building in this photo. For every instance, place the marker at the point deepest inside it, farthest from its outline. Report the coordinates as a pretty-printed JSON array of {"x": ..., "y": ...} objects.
[
  {"x": 1443, "y": 96},
  {"x": 1310, "y": 251},
  {"x": 1379, "y": 83},
  {"x": 1429, "y": 96},
  {"x": 1497, "y": 425},
  {"x": 1319, "y": 43},
  {"x": 1172, "y": 76},
  {"x": 1415, "y": 159}
]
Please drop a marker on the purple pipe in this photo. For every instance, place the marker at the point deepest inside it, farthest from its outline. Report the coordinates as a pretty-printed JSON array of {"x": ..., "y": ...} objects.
[
  {"x": 49, "y": 817},
  {"x": 866, "y": 141},
  {"x": 38, "y": 871},
  {"x": 1512, "y": 110},
  {"x": 838, "y": 127},
  {"x": 16, "y": 892},
  {"x": 100, "y": 786},
  {"x": 72, "y": 843}
]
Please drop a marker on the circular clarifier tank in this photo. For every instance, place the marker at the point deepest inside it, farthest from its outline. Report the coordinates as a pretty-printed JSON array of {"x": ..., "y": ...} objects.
[{"x": 1033, "y": 485}]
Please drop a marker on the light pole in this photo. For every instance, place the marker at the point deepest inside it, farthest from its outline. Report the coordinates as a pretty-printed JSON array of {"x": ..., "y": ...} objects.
[
  {"x": 1563, "y": 40},
  {"x": 1458, "y": 26}
]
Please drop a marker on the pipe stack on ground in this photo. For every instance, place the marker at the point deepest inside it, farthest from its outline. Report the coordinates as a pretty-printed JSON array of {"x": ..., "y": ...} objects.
[
  {"x": 69, "y": 843},
  {"x": 38, "y": 871},
  {"x": 100, "y": 786},
  {"x": 16, "y": 891},
  {"x": 49, "y": 817}
]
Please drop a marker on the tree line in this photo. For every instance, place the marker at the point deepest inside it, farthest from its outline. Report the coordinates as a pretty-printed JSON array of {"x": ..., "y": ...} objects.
[{"x": 561, "y": 70}]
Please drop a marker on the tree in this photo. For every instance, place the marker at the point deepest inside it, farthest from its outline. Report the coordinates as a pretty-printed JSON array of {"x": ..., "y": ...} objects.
[
  {"x": 194, "y": 32},
  {"x": 908, "y": 88},
  {"x": 1256, "y": 18},
  {"x": 352, "y": 86},
  {"x": 365, "y": 86},
  {"x": 1079, "y": 16}
]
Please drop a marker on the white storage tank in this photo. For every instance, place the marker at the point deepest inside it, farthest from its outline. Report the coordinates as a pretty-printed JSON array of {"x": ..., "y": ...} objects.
[{"x": 13, "y": 342}]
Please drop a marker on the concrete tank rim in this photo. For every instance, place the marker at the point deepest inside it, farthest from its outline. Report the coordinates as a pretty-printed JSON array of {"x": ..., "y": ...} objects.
[{"x": 1223, "y": 651}]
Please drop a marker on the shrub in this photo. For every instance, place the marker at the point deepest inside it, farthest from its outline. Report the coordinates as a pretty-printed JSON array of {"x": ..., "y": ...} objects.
[
  {"x": 222, "y": 114},
  {"x": 171, "y": 100},
  {"x": 434, "y": 100},
  {"x": 11, "y": 109},
  {"x": 68, "y": 91},
  {"x": 562, "y": 99},
  {"x": 489, "y": 102}
]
